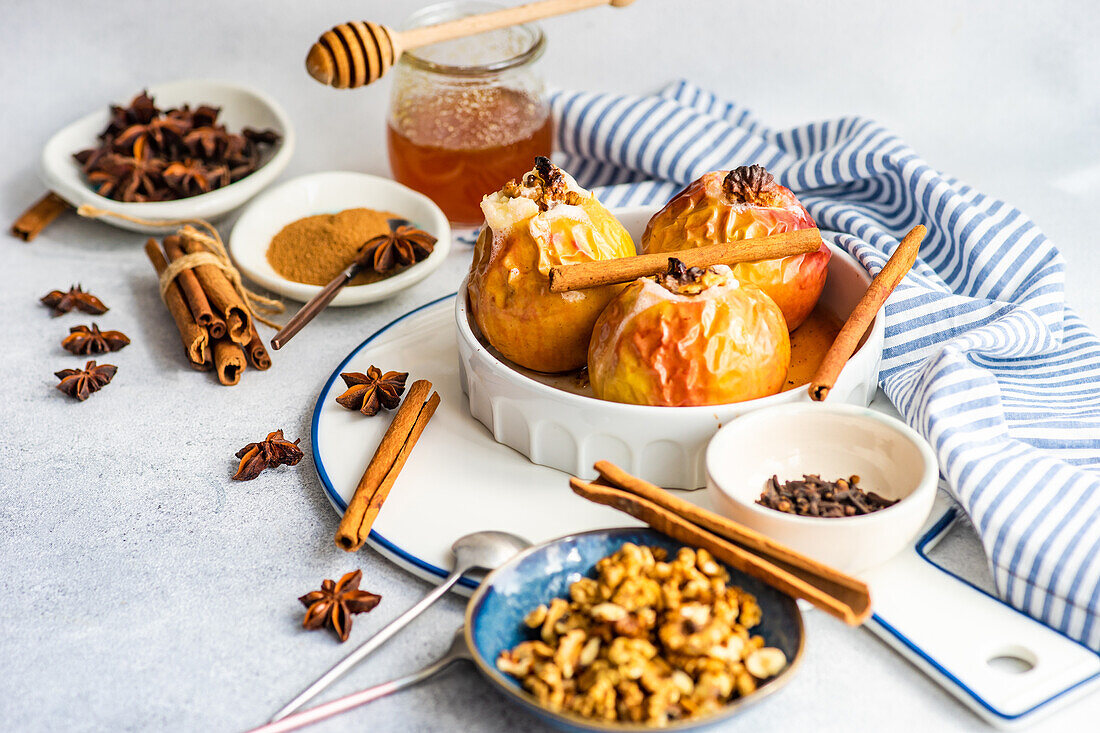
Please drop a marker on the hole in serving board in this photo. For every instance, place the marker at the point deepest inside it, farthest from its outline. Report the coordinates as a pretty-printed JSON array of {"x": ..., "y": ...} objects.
[{"x": 1013, "y": 660}]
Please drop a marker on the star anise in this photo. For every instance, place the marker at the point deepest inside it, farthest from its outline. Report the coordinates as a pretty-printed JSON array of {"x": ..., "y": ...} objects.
[
  {"x": 403, "y": 245},
  {"x": 75, "y": 298},
  {"x": 205, "y": 141},
  {"x": 141, "y": 142},
  {"x": 84, "y": 340},
  {"x": 157, "y": 134},
  {"x": 136, "y": 177},
  {"x": 80, "y": 383},
  {"x": 188, "y": 178},
  {"x": 273, "y": 451},
  {"x": 335, "y": 603},
  {"x": 370, "y": 392}
]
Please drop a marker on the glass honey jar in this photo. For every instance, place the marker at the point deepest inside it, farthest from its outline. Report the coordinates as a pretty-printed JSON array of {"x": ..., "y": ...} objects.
[{"x": 468, "y": 115}]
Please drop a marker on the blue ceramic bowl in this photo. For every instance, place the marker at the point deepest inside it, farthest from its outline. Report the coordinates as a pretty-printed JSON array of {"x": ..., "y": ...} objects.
[{"x": 494, "y": 617}]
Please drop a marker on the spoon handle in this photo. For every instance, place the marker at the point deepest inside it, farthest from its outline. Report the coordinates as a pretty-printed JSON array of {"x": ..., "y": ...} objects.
[
  {"x": 472, "y": 24},
  {"x": 315, "y": 305},
  {"x": 458, "y": 652},
  {"x": 370, "y": 645}
]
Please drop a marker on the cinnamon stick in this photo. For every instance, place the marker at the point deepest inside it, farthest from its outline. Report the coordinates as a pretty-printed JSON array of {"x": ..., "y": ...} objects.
[
  {"x": 196, "y": 340},
  {"x": 223, "y": 297},
  {"x": 853, "y": 592},
  {"x": 847, "y": 341},
  {"x": 192, "y": 291},
  {"x": 382, "y": 471},
  {"x": 564, "y": 278},
  {"x": 676, "y": 527},
  {"x": 229, "y": 361},
  {"x": 257, "y": 352},
  {"x": 32, "y": 221}
]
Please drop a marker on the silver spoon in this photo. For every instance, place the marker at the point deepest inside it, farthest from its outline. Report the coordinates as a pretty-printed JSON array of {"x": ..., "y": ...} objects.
[
  {"x": 480, "y": 550},
  {"x": 457, "y": 652}
]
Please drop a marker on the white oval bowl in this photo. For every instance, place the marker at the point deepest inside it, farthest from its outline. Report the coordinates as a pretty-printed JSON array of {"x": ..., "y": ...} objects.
[
  {"x": 833, "y": 441},
  {"x": 328, "y": 193},
  {"x": 241, "y": 107},
  {"x": 538, "y": 416}
]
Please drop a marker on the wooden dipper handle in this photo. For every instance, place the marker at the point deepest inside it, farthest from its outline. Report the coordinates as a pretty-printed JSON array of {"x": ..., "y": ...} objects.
[{"x": 357, "y": 53}]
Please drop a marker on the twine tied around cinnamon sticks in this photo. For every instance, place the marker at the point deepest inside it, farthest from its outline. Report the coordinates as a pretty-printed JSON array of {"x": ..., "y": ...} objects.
[
  {"x": 202, "y": 249},
  {"x": 213, "y": 310}
]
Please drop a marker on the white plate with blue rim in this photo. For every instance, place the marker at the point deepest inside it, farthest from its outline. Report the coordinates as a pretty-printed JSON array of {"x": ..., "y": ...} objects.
[
  {"x": 328, "y": 193},
  {"x": 460, "y": 480}
]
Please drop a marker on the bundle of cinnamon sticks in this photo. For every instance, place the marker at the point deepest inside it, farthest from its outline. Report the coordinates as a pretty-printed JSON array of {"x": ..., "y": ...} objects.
[{"x": 215, "y": 324}]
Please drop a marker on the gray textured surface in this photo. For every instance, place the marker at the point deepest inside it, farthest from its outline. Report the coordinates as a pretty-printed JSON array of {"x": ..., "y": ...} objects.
[{"x": 144, "y": 590}]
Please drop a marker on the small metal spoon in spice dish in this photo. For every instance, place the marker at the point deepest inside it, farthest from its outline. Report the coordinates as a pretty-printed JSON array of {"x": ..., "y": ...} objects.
[{"x": 331, "y": 193}]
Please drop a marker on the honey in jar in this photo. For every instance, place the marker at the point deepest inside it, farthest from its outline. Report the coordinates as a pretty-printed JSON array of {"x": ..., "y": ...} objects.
[
  {"x": 468, "y": 115},
  {"x": 459, "y": 145}
]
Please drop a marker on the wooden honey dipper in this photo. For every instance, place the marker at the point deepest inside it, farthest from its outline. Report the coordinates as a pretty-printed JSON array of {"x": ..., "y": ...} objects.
[{"x": 357, "y": 53}]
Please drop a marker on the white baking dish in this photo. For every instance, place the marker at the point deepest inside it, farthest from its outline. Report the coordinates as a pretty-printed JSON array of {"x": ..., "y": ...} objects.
[{"x": 550, "y": 420}]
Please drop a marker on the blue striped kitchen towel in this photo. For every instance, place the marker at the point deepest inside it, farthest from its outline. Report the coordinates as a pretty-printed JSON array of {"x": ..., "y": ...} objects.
[{"x": 982, "y": 355}]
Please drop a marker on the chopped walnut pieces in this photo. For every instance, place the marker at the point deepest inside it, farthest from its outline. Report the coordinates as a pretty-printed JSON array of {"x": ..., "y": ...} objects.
[
  {"x": 546, "y": 185},
  {"x": 684, "y": 280},
  {"x": 648, "y": 640}
]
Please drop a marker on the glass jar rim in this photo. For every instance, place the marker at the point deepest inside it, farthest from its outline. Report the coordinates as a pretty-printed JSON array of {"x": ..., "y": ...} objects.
[{"x": 528, "y": 55}]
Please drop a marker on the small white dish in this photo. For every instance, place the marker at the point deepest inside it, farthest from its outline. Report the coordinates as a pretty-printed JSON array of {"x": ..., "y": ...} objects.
[
  {"x": 554, "y": 423},
  {"x": 328, "y": 193},
  {"x": 833, "y": 441},
  {"x": 240, "y": 107}
]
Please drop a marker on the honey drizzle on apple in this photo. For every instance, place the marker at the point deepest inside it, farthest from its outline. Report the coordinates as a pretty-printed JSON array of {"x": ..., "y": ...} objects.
[{"x": 809, "y": 342}]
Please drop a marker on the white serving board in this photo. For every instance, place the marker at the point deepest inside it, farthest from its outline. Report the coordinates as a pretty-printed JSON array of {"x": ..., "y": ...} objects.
[{"x": 459, "y": 480}]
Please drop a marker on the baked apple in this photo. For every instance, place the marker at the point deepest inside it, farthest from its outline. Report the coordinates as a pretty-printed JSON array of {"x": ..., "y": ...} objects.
[
  {"x": 726, "y": 206},
  {"x": 531, "y": 225},
  {"x": 690, "y": 337}
]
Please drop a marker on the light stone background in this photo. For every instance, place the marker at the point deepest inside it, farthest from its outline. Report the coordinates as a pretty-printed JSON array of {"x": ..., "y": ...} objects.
[{"x": 142, "y": 589}]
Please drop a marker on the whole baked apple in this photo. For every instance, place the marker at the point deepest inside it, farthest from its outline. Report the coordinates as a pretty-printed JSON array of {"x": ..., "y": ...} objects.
[
  {"x": 690, "y": 337},
  {"x": 531, "y": 225},
  {"x": 727, "y": 206}
]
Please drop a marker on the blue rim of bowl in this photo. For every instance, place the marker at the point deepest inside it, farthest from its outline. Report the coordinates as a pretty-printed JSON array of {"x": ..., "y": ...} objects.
[
  {"x": 333, "y": 496},
  {"x": 490, "y": 672}
]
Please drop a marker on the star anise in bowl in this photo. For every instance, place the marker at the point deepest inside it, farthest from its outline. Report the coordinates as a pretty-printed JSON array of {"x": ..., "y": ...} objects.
[
  {"x": 368, "y": 393},
  {"x": 402, "y": 246},
  {"x": 84, "y": 340},
  {"x": 335, "y": 603},
  {"x": 272, "y": 451},
  {"x": 76, "y": 298},
  {"x": 80, "y": 383},
  {"x": 149, "y": 154}
]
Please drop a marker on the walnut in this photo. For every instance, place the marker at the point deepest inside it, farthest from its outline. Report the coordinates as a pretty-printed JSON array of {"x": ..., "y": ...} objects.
[
  {"x": 750, "y": 184},
  {"x": 650, "y": 639},
  {"x": 607, "y": 612}
]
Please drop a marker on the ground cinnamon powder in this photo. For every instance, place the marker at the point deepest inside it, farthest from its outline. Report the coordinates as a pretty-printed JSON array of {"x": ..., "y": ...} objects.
[{"x": 316, "y": 249}]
